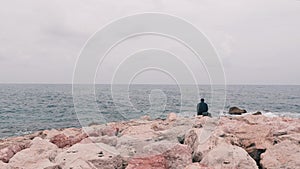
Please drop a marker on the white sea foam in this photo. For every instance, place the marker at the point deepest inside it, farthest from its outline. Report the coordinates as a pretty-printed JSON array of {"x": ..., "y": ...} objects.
[{"x": 265, "y": 113}]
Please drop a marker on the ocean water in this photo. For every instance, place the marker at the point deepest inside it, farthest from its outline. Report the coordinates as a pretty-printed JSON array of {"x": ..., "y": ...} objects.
[{"x": 25, "y": 108}]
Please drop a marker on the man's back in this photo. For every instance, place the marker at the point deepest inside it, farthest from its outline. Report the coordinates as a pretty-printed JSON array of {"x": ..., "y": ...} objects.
[{"x": 201, "y": 108}]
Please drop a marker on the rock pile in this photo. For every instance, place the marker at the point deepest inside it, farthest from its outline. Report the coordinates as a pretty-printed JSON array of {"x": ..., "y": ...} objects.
[{"x": 249, "y": 141}]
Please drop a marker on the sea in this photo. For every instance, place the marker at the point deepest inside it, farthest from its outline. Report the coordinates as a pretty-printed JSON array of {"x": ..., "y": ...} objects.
[{"x": 26, "y": 108}]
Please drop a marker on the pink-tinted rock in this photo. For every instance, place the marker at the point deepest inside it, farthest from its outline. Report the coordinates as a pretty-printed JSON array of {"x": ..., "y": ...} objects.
[
  {"x": 76, "y": 139},
  {"x": 69, "y": 132},
  {"x": 158, "y": 127},
  {"x": 12, "y": 145},
  {"x": 87, "y": 140},
  {"x": 253, "y": 120},
  {"x": 172, "y": 117},
  {"x": 51, "y": 133},
  {"x": 109, "y": 131},
  {"x": 282, "y": 155},
  {"x": 7, "y": 153},
  {"x": 163, "y": 155},
  {"x": 178, "y": 157},
  {"x": 61, "y": 140},
  {"x": 150, "y": 162},
  {"x": 191, "y": 138},
  {"x": 155, "y": 144},
  {"x": 112, "y": 141},
  {"x": 201, "y": 144},
  {"x": 226, "y": 156},
  {"x": 295, "y": 138},
  {"x": 4, "y": 165},
  {"x": 40, "y": 155},
  {"x": 197, "y": 166},
  {"x": 256, "y": 134},
  {"x": 248, "y": 132},
  {"x": 141, "y": 131},
  {"x": 90, "y": 156}
]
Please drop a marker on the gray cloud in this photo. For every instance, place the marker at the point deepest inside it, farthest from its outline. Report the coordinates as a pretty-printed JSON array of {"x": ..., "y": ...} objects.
[{"x": 258, "y": 41}]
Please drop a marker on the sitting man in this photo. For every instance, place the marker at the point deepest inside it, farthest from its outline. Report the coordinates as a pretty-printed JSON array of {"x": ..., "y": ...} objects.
[{"x": 202, "y": 108}]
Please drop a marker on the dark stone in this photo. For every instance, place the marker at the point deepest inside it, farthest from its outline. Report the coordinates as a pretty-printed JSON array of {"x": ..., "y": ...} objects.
[
  {"x": 236, "y": 111},
  {"x": 257, "y": 113}
]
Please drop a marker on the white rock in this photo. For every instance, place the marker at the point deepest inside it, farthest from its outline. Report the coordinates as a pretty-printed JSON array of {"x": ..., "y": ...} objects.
[
  {"x": 41, "y": 154},
  {"x": 90, "y": 155},
  {"x": 227, "y": 156}
]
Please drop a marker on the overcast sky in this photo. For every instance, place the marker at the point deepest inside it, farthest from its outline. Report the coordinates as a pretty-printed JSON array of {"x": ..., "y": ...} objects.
[{"x": 258, "y": 41}]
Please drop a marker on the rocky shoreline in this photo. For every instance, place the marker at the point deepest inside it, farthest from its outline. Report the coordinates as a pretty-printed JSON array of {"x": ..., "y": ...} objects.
[{"x": 250, "y": 141}]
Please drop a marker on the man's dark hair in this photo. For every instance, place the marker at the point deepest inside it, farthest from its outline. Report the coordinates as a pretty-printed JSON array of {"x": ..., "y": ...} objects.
[{"x": 202, "y": 100}]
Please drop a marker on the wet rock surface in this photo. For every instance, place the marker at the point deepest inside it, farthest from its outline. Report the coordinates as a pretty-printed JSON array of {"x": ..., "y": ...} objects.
[{"x": 248, "y": 141}]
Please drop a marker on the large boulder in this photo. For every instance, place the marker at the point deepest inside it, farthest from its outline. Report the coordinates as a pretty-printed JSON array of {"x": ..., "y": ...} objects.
[
  {"x": 282, "y": 155},
  {"x": 61, "y": 140},
  {"x": 256, "y": 134},
  {"x": 163, "y": 155},
  {"x": 8, "y": 152},
  {"x": 236, "y": 111},
  {"x": 249, "y": 132},
  {"x": 227, "y": 156},
  {"x": 202, "y": 140},
  {"x": 174, "y": 134},
  {"x": 41, "y": 154},
  {"x": 129, "y": 146},
  {"x": 90, "y": 156}
]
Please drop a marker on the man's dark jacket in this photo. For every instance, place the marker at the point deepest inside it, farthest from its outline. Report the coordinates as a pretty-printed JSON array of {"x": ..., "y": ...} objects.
[{"x": 201, "y": 108}]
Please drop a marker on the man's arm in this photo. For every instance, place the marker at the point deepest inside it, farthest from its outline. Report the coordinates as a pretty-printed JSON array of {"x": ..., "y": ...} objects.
[{"x": 206, "y": 107}]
